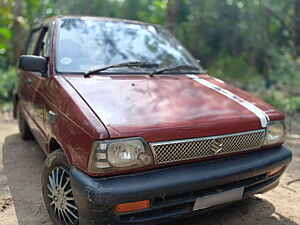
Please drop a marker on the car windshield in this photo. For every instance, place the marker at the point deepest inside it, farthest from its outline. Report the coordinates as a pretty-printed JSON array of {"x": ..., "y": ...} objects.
[{"x": 88, "y": 44}]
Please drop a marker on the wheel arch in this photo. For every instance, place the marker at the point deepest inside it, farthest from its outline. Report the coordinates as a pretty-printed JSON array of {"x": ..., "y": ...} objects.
[{"x": 54, "y": 145}]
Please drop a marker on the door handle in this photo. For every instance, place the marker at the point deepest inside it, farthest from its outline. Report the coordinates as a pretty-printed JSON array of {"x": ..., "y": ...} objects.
[{"x": 29, "y": 81}]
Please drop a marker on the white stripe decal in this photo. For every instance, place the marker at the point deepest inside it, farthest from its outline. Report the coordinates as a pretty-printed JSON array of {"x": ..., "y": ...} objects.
[{"x": 263, "y": 117}]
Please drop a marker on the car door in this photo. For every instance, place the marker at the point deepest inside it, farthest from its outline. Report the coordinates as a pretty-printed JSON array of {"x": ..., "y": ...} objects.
[
  {"x": 38, "y": 87},
  {"x": 25, "y": 85}
]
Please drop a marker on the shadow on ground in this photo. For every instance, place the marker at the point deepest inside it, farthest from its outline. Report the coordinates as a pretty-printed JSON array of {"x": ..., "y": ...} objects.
[
  {"x": 23, "y": 163},
  {"x": 248, "y": 212}
]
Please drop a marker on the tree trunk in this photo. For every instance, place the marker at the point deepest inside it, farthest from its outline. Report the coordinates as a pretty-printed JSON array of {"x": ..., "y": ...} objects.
[
  {"x": 266, "y": 70},
  {"x": 297, "y": 27},
  {"x": 172, "y": 7},
  {"x": 266, "y": 60},
  {"x": 87, "y": 6},
  {"x": 17, "y": 31}
]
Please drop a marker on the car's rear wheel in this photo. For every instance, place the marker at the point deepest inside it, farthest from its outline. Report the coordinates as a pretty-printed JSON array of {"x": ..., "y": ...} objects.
[
  {"x": 57, "y": 190},
  {"x": 24, "y": 130}
]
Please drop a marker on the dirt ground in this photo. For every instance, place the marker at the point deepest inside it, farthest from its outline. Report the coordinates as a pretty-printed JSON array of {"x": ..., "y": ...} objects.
[{"x": 21, "y": 201}]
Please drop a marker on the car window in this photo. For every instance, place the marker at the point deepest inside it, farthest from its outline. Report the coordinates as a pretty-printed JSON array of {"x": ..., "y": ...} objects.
[
  {"x": 88, "y": 44},
  {"x": 44, "y": 50},
  {"x": 33, "y": 41},
  {"x": 41, "y": 42}
]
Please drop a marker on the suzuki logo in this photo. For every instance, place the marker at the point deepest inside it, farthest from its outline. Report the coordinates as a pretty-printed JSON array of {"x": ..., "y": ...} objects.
[{"x": 216, "y": 146}]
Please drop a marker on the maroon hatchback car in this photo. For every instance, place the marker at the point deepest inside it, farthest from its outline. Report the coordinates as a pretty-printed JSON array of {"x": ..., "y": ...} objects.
[{"x": 134, "y": 130}]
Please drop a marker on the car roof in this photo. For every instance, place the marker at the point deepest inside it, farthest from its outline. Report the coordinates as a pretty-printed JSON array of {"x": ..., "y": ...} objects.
[{"x": 54, "y": 18}]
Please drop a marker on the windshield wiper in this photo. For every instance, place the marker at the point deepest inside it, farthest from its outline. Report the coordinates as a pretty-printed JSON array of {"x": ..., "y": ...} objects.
[
  {"x": 125, "y": 64},
  {"x": 180, "y": 67}
]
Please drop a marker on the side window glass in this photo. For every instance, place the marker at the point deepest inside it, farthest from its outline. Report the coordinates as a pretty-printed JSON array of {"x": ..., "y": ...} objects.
[
  {"x": 33, "y": 41},
  {"x": 41, "y": 42},
  {"x": 45, "y": 45}
]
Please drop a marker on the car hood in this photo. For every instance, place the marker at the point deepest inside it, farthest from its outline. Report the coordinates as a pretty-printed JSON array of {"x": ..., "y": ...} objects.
[{"x": 169, "y": 107}]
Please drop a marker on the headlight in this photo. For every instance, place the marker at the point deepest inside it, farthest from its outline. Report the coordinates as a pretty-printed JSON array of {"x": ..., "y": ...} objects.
[
  {"x": 275, "y": 133},
  {"x": 122, "y": 154}
]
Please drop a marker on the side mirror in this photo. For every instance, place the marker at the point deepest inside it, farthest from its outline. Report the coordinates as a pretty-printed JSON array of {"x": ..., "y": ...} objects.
[{"x": 33, "y": 63}]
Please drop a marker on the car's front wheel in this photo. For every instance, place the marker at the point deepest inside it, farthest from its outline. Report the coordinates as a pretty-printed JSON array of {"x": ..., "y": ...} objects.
[{"x": 57, "y": 191}]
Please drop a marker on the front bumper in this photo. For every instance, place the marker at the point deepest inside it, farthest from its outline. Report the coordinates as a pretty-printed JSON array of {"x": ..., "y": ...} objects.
[{"x": 173, "y": 190}]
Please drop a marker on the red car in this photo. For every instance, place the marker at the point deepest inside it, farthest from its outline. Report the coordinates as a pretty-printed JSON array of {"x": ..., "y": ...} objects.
[{"x": 134, "y": 130}]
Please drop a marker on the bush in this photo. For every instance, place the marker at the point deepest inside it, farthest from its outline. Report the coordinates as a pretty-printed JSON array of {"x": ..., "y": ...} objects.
[
  {"x": 7, "y": 84},
  {"x": 237, "y": 71},
  {"x": 280, "y": 100},
  {"x": 284, "y": 73},
  {"x": 273, "y": 99},
  {"x": 284, "y": 93},
  {"x": 293, "y": 104}
]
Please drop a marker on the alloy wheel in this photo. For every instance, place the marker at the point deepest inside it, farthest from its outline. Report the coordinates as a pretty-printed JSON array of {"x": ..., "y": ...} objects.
[{"x": 61, "y": 196}]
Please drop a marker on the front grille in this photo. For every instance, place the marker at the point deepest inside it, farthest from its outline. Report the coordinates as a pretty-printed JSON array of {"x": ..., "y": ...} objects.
[{"x": 196, "y": 148}]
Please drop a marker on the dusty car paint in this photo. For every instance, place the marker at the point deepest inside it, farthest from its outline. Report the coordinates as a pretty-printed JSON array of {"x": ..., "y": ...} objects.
[{"x": 167, "y": 107}]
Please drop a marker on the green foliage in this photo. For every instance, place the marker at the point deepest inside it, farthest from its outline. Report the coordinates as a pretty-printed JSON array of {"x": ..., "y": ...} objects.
[
  {"x": 246, "y": 42},
  {"x": 285, "y": 103},
  {"x": 236, "y": 70},
  {"x": 285, "y": 70},
  {"x": 293, "y": 104},
  {"x": 5, "y": 32},
  {"x": 273, "y": 99},
  {"x": 7, "y": 84}
]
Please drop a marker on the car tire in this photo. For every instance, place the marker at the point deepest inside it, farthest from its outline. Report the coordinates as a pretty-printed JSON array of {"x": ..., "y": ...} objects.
[
  {"x": 57, "y": 191},
  {"x": 24, "y": 130}
]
